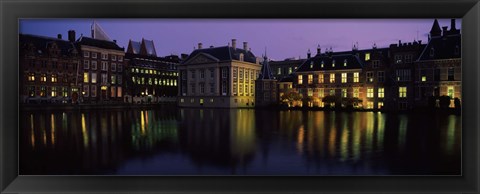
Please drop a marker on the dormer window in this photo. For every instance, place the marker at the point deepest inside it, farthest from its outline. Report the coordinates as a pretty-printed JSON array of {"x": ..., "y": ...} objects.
[
  {"x": 432, "y": 52},
  {"x": 333, "y": 63},
  {"x": 311, "y": 64},
  {"x": 241, "y": 56},
  {"x": 345, "y": 63},
  {"x": 457, "y": 50},
  {"x": 322, "y": 64},
  {"x": 367, "y": 56}
]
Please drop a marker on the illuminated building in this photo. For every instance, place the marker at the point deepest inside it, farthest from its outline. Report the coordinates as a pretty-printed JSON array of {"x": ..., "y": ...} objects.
[
  {"x": 149, "y": 78},
  {"x": 218, "y": 77},
  {"x": 48, "y": 69}
]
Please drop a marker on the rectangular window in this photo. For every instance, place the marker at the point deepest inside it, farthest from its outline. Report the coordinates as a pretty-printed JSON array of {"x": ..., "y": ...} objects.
[
  {"x": 104, "y": 65},
  {"x": 437, "y": 75},
  {"x": 369, "y": 92},
  {"x": 300, "y": 79},
  {"x": 94, "y": 65},
  {"x": 408, "y": 58},
  {"x": 119, "y": 79},
  {"x": 85, "y": 77},
  {"x": 212, "y": 75},
  {"x": 119, "y": 91},
  {"x": 310, "y": 79},
  {"x": 192, "y": 73},
  {"x": 114, "y": 57},
  {"x": 112, "y": 79},
  {"x": 381, "y": 76},
  {"x": 402, "y": 92},
  {"x": 381, "y": 92},
  {"x": 104, "y": 56},
  {"x": 64, "y": 91},
  {"x": 320, "y": 78},
  {"x": 321, "y": 93},
  {"x": 86, "y": 90},
  {"x": 120, "y": 67},
  {"x": 367, "y": 56},
  {"x": 224, "y": 73},
  {"x": 310, "y": 92},
  {"x": 234, "y": 89},
  {"x": 94, "y": 90},
  {"x": 114, "y": 67},
  {"x": 202, "y": 88},
  {"x": 113, "y": 92},
  {"x": 120, "y": 58},
  {"x": 398, "y": 59},
  {"x": 212, "y": 88},
  {"x": 193, "y": 88},
  {"x": 224, "y": 88},
  {"x": 94, "y": 78},
  {"x": 356, "y": 92},
  {"x": 332, "y": 78},
  {"x": 369, "y": 77},
  {"x": 344, "y": 92},
  {"x": 290, "y": 70},
  {"x": 344, "y": 77},
  {"x": 451, "y": 92},
  {"x": 332, "y": 92},
  {"x": 104, "y": 78},
  {"x": 202, "y": 73},
  {"x": 451, "y": 76},
  {"x": 279, "y": 71},
  {"x": 86, "y": 54},
  {"x": 94, "y": 55},
  {"x": 54, "y": 78},
  {"x": 375, "y": 64},
  {"x": 86, "y": 64},
  {"x": 356, "y": 77},
  {"x": 54, "y": 91}
]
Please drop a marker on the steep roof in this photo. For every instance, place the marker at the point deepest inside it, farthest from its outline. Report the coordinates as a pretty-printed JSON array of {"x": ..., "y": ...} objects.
[
  {"x": 436, "y": 30},
  {"x": 99, "y": 43},
  {"x": 133, "y": 47},
  {"x": 149, "y": 48},
  {"x": 225, "y": 53},
  {"x": 315, "y": 63},
  {"x": 265, "y": 72},
  {"x": 42, "y": 43},
  {"x": 444, "y": 47}
]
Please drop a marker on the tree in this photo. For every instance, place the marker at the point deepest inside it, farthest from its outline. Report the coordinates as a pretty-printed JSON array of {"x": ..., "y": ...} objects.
[
  {"x": 457, "y": 103},
  {"x": 290, "y": 97},
  {"x": 444, "y": 101}
]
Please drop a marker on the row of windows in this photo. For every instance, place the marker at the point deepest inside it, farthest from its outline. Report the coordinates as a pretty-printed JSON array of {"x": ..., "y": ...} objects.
[
  {"x": 31, "y": 77},
  {"x": 92, "y": 78},
  {"x": 285, "y": 72},
  {"x": 398, "y": 59},
  {"x": 436, "y": 75},
  {"x": 54, "y": 64},
  {"x": 331, "y": 78},
  {"x": 355, "y": 92},
  {"x": 52, "y": 91},
  {"x": 153, "y": 72},
  {"x": 91, "y": 91},
  {"x": 322, "y": 63},
  {"x": 154, "y": 81},
  {"x": 104, "y": 56},
  {"x": 104, "y": 66}
]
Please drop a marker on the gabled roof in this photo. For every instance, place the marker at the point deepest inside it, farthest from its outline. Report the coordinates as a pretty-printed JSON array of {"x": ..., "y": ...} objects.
[
  {"x": 133, "y": 47},
  {"x": 315, "y": 63},
  {"x": 41, "y": 43},
  {"x": 443, "y": 48},
  {"x": 99, "y": 43},
  {"x": 225, "y": 53},
  {"x": 148, "y": 48}
]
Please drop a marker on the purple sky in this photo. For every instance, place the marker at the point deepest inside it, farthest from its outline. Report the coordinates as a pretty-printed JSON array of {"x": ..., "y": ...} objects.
[{"x": 283, "y": 38}]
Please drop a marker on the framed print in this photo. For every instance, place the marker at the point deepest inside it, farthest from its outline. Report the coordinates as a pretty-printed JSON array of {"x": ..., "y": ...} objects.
[{"x": 225, "y": 96}]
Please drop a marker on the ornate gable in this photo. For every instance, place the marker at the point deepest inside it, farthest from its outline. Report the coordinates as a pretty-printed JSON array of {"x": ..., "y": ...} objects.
[{"x": 202, "y": 58}]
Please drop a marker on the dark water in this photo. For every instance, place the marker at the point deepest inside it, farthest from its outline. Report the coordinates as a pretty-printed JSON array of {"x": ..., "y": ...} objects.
[{"x": 170, "y": 141}]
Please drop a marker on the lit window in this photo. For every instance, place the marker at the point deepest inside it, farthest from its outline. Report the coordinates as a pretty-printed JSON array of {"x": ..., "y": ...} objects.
[
  {"x": 355, "y": 92},
  {"x": 356, "y": 77},
  {"x": 321, "y": 93},
  {"x": 345, "y": 63},
  {"x": 311, "y": 64},
  {"x": 320, "y": 78},
  {"x": 300, "y": 79},
  {"x": 333, "y": 63},
  {"x": 85, "y": 77},
  {"x": 332, "y": 78},
  {"x": 370, "y": 77},
  {"x": 332, "y": 92},
  {"x": 289, "y": 70},
  {"x": 451, "y": 92},
  {"x": 54, "y": 91},
  {"x": 381, "y": 92},
  {"x": 344, "y": 77},
  {"x": 424, "y": 78},
  {"x": 31, "y": 77},
  {"x": 367, "y": 56},
  {"x": 310, "y": 92},
  {"x": 380, "y": 105},
  {"x": 310, "y": 79},
  {"x": 344, "y": 92},
  {"x": 150, "y": 81},
  {"x": 279, "y": 71},
  {"x": 369, "y": 92},
  {"x": 112, "y": 79},
  {"x": 402, "y": 92}
]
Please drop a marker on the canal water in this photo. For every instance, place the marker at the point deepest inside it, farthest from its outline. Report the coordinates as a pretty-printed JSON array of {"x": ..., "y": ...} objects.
[{"x": 173, "y": 141}]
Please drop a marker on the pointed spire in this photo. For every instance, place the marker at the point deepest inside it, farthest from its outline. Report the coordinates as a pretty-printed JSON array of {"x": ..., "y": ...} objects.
[
  {"x": 436, "y": 30},
  {"x": 265, "y": 72}
]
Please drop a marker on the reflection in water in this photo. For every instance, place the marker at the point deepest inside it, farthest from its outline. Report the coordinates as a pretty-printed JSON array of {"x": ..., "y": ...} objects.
[{"x": 238, "y": 141}]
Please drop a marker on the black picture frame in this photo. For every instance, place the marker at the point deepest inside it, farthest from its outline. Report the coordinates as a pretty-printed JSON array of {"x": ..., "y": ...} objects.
[{"x": 11, "y": 11}]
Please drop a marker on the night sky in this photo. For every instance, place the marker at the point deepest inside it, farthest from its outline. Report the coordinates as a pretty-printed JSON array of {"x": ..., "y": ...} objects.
[{"x": 283, "y": 38}]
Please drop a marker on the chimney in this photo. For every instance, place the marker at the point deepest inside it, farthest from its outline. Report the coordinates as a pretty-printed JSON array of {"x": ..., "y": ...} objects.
[
  {"x": 444, "y": 30},
  {"x": 71, "y": 35},
  {"x": 452, "y": 25},
  {"x": 419, "y": 41},
  {"x": 234, "y": 43},
  {"x": 59, "y": 36},
  {"x": 319, "y": 50},
  {"x": 309, "y": 54},
  {"x": 399, "y": 43},
  {"x": 200, "y": 45},
  {"x": 245, "y": 46}
]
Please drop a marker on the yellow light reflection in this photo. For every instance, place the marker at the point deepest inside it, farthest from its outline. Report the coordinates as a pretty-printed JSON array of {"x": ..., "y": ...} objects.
[
  {"x": 84, "y": 132},
  {"x": 300, "y": 137},
  {"x": 402, "y": 131},
  {"x": 52, "y": 131},
  {"x": 331, "y": 141},
  {"x": 344, "y": 143},
  {"x": 32, "y": 131},
  {"x": 142, "y": 123},
  {"x": 452, "y": 121}
]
